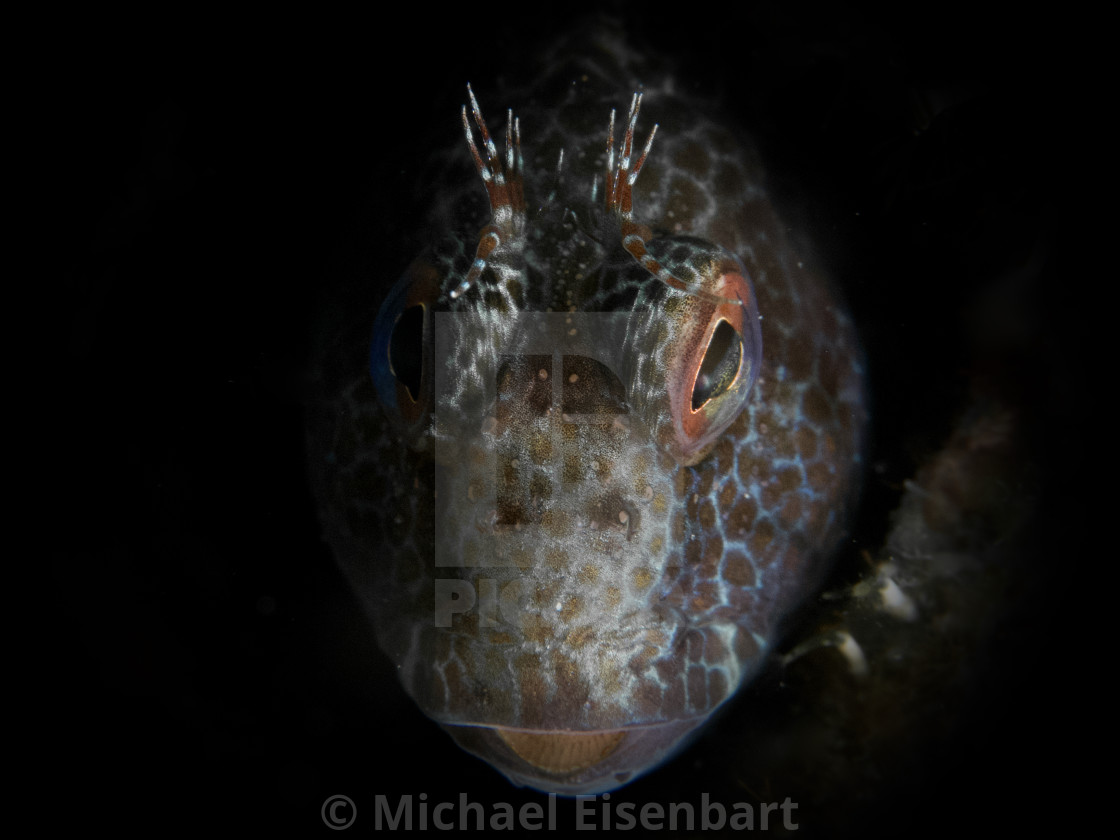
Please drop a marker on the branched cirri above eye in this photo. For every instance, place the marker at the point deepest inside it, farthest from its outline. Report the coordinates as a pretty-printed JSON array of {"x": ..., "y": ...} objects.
[{"x": 716, "y": 345}]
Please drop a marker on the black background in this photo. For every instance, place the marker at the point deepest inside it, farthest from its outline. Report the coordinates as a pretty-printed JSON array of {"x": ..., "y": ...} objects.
[{"x": 211, "y": 182}]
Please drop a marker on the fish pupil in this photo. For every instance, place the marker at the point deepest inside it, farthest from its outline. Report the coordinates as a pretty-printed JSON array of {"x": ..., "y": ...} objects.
[
  {"x": 720, "y": 365},
  {"x": 406, "y": 349}
]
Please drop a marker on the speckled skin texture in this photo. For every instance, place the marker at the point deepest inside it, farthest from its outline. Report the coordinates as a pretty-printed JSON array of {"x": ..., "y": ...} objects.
[
  {"x": 208, "y": 203},
  {"x": 646, "y": 591}
]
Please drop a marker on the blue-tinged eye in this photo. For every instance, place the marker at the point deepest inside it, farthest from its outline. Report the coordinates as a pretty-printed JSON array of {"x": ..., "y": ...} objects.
[{"x": 401, "y": 350}]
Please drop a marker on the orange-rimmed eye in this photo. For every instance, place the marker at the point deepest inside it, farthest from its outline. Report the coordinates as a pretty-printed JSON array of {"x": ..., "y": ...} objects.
[
  {"x": 401, "y": 350},
  {"x": 722, "y": 361},
  {"x": 715, "y": 358}
]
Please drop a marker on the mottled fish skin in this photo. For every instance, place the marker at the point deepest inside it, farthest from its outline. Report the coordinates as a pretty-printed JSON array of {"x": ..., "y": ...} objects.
[{"x": 628, "y": 579}]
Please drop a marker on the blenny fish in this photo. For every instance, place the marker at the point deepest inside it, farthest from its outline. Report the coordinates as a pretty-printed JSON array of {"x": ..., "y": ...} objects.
[{"x": 601, "y": 437}]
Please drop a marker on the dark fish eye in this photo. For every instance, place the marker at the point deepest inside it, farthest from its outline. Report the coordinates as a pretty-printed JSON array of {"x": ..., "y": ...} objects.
[
  {"x": 708, "y": 324},
  {"x": 400, "y": 353},
  {"x": 720, "y": 366},
  {"x": 406, "y": 350}
]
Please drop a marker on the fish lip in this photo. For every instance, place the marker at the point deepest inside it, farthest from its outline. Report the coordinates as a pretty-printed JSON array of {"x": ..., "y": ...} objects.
[
  {"x": 561, "y": 751},
  {"x": 575, "y": 762}
]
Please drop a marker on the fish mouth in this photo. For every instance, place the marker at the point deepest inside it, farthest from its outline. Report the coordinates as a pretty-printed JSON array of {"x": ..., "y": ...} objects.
[
  {"x": 561, "y": 752},
  {"x": 574, "y": 763}
]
